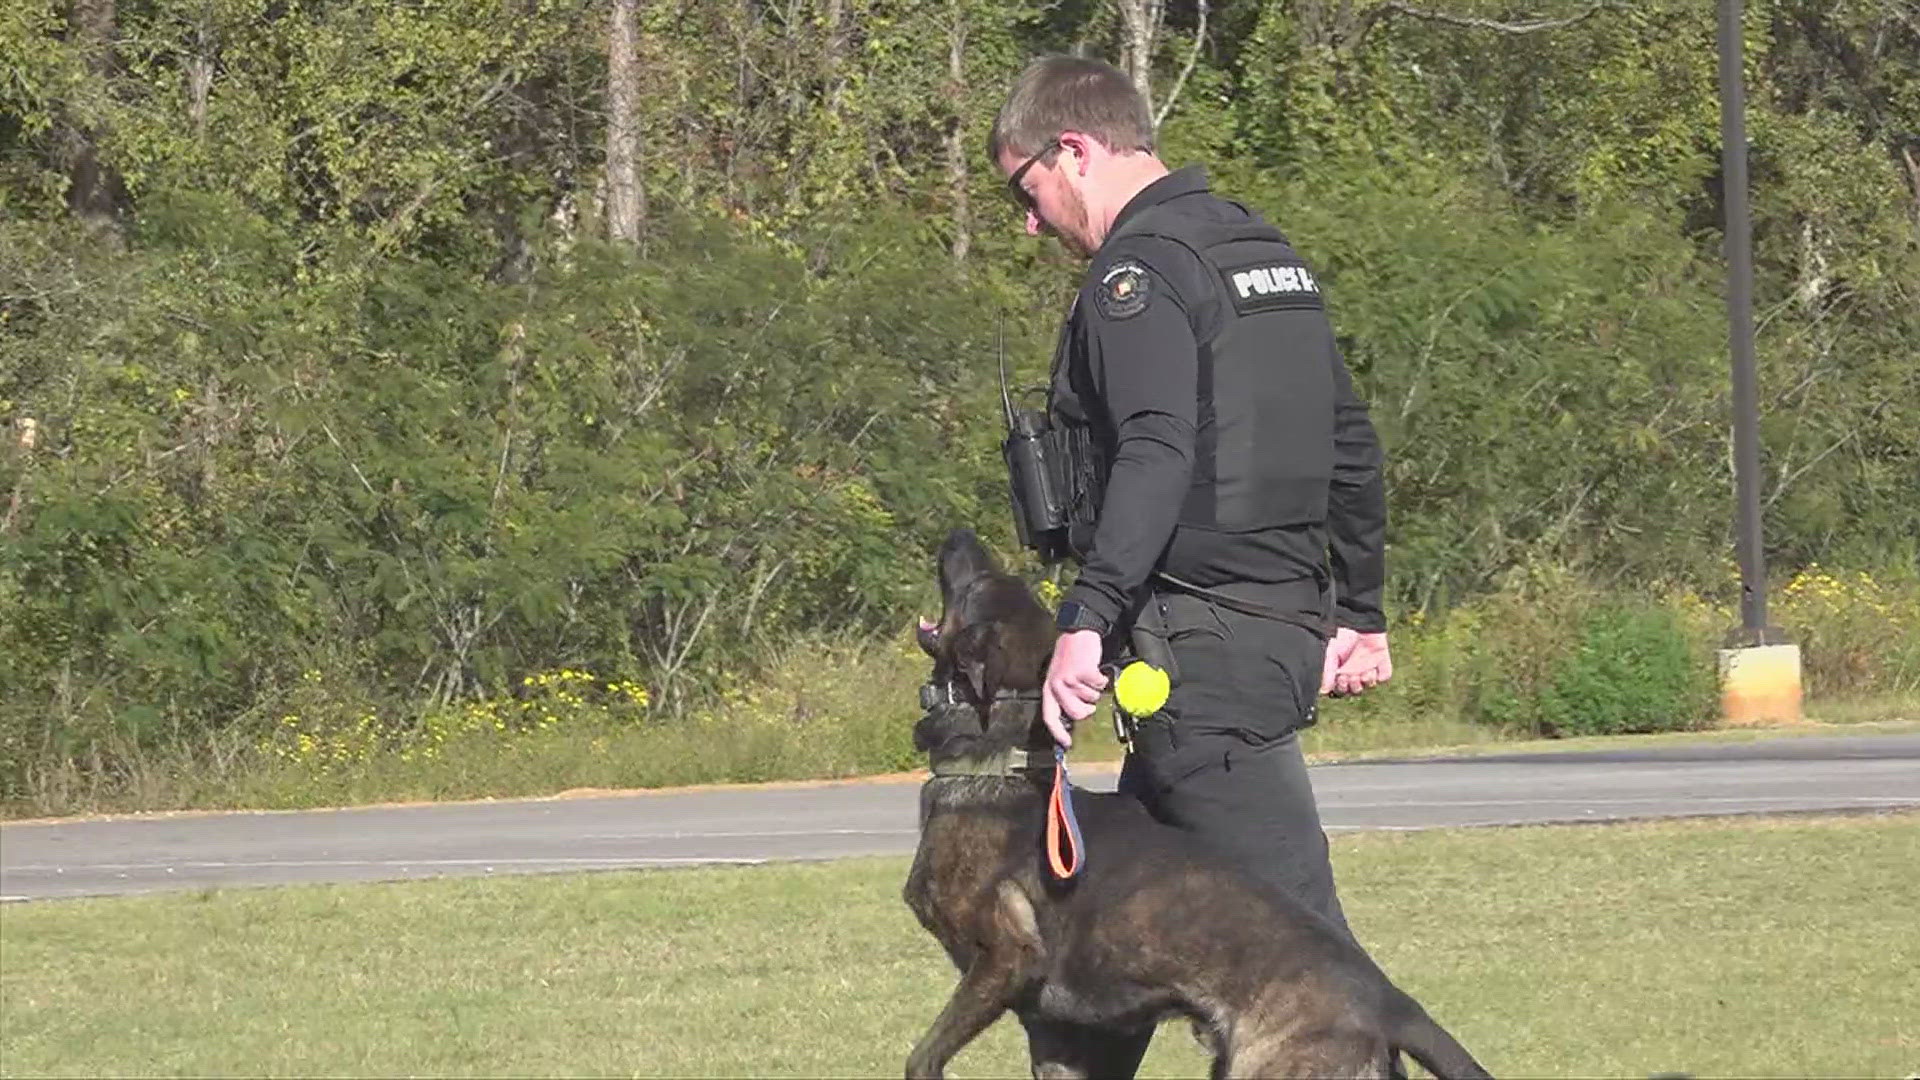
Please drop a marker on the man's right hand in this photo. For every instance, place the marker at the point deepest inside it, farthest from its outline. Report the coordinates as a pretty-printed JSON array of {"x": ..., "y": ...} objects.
[
  {"x": 1074, "y": 682},
  {"x": 1355, "y": 662}
]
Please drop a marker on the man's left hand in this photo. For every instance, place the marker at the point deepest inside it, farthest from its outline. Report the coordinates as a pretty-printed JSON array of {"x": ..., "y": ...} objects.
[
  {"x": 1355, "y": 662},
  {"x": 1074, "y": 682}
]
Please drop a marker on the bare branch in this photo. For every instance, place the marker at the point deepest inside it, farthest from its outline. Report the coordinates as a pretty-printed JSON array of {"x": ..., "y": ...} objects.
[
  {"x": 1850, "y": 435},
  {"x": 753, "y": 596},
  {"x": 1475, "y": 23},
  {"x": 1912, "y": 162},
  {"x": 1140, "y": 22},
  {"x": 335, "y": 440},
  {"x": 1193, "y": 57}
]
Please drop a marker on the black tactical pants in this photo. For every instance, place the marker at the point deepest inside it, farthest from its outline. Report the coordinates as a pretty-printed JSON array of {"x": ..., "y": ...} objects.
[{"x": 1221, "y": 761}]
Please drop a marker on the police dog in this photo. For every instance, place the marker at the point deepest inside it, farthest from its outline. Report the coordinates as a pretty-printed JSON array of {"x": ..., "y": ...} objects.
[{"x": 1152, "y": 928}]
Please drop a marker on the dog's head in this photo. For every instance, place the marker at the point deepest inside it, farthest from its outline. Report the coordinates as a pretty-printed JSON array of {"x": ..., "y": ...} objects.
[{"x": 993, "y": 635}]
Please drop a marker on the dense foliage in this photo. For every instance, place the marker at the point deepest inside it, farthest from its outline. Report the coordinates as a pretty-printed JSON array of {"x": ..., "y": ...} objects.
[{"x": 325, "y": 388}]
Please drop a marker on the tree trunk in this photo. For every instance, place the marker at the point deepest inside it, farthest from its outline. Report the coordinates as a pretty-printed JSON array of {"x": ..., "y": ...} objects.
[
  {"x": 93, "y": 190},
  {"x": 626, "y": 198},
  {"x": 833, "y": 60},
  {"x": 957, "y": 132},
  {"x": 1139, "y": 31},
  {"x": 198, "y": 69}
]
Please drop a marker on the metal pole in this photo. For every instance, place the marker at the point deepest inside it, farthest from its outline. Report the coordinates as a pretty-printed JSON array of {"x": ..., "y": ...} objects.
[{"x": 1739, "y": 251}]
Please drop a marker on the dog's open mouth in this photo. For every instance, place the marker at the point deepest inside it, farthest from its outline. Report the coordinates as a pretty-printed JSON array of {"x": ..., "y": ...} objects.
[{"x": 929, "y": 636}]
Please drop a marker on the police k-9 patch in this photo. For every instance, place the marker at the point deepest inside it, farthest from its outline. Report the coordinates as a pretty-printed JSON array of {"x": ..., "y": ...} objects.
[
  {"x": 1266, "y": 286},
  {"x": 1123, "y": 291}
]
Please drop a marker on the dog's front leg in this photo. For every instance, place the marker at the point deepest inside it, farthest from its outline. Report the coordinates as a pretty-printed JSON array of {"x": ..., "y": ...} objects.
[
  {"x": 1006, "y": 958},
  {"x": 983, "y": 994}
]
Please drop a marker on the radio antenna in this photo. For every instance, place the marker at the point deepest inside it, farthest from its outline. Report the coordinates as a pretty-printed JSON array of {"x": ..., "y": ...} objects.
[{"x": 1006, "y": 400}]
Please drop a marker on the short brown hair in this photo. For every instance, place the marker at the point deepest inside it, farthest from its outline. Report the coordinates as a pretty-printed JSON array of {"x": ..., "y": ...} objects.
[{"x": 1071, "y": 93}]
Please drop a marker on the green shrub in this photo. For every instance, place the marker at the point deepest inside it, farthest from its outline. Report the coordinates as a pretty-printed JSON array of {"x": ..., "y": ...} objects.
[{"x": 1633, "y": 670}]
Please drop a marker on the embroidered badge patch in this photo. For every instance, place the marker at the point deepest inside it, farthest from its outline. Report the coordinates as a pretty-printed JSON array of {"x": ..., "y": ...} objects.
[{"x": 1123, "y": 290}]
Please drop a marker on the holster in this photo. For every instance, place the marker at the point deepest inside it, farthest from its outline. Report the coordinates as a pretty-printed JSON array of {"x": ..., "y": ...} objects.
[
  {"x": 1151, "y": 637},
  {"x": 1055, "y": 478}
]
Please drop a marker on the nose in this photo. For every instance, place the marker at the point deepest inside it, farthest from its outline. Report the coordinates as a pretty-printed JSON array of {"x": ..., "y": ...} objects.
[{"x": 1033, "y": 224}]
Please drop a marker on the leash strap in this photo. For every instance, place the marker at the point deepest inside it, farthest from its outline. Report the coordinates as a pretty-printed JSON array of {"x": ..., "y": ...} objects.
[{"x": 1062, "y": 825}]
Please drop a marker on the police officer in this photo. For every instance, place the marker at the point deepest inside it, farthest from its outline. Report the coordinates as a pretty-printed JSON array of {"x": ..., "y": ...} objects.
[{"x": 1242, "y": 516}]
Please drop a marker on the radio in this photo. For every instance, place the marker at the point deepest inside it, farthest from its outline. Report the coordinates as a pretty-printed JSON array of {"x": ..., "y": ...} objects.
[{"x": 1052, "y": 476}]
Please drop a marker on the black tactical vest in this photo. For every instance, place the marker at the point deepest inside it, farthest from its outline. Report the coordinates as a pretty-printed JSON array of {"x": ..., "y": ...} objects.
[{"x": 1265, "y": 416}]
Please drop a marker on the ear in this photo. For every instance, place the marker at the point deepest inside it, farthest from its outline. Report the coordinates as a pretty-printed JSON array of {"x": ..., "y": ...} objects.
[
  {"x": 976, "y": 657},
  {"x": 979, "y": 682},
  {"x": 1081, "y": 147},
  {"x": 986, "y": 677}
]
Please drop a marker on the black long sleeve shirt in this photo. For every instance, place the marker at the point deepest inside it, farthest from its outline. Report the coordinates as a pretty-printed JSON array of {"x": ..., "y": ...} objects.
[{"x": 1130, "y": 369}]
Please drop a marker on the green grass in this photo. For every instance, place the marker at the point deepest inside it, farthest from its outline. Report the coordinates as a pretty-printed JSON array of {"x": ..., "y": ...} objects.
[{"x": 1781, "y": 947}]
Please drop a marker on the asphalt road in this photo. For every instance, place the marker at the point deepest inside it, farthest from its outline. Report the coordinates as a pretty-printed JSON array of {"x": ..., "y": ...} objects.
[{"x": 762, "y": 824}]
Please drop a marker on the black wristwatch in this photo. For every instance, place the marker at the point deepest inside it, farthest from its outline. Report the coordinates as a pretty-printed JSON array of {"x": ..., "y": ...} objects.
[{"x": 1075, "y": 615}]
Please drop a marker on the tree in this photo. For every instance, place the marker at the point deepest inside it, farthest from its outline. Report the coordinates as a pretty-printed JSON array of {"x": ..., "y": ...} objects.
[
  {"x": 94, "y": 191},
  {"x": 957, "y": 155},
  {"x": 626, "y": 191}
]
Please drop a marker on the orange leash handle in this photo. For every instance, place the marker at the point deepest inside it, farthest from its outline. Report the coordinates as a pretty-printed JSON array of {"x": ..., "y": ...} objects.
[{"x": 1064, "y": 855}]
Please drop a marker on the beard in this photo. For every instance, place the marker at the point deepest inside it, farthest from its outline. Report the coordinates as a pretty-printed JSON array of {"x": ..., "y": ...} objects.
[
  {"x": 1075, "y": 232},
  {"x": 1072, "y": 229}
]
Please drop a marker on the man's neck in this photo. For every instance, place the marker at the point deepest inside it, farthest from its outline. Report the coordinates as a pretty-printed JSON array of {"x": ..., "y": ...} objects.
[{"x": 1133, "y": 172}]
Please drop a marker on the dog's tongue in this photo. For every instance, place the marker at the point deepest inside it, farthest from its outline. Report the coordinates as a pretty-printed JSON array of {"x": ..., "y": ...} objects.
[{"x": 927, "y": 627}]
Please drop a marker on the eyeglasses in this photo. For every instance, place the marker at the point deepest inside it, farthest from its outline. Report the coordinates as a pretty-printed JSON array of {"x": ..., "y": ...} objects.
[{"x": 1020, "y": 197}]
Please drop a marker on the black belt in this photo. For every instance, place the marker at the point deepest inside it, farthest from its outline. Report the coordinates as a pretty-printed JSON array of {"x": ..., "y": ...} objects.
[{"x": 1322, "y": 626}]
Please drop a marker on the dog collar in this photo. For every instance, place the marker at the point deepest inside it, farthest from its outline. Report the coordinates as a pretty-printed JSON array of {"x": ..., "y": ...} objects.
[
  {"x": 933, "y": 695},
  {"x": 1005, "y": 763}
]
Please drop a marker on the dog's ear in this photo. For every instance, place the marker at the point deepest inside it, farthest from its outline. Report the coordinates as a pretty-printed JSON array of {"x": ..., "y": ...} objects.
[
  {"x": 978, "y": 658},
  {"x": 981, "y": 683}
]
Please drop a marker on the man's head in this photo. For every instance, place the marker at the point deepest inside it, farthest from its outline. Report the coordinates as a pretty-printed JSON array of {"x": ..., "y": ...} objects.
[{"x": 1075, "y": 141}]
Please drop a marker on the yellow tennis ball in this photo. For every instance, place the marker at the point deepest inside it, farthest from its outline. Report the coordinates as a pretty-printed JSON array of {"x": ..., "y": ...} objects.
[{"x": 1141, "y": 689}]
